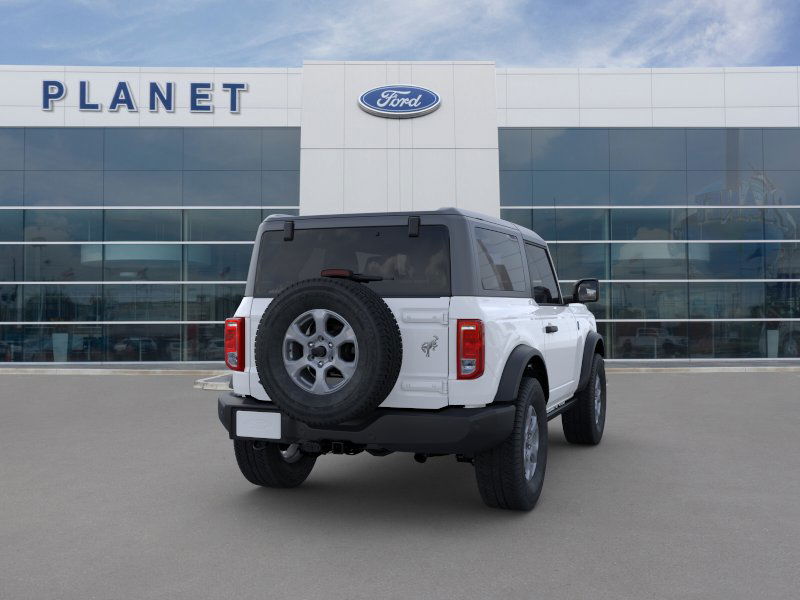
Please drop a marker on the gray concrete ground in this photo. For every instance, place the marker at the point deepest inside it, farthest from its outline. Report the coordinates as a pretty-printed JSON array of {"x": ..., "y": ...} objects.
[{"x": 126, "y": 487}]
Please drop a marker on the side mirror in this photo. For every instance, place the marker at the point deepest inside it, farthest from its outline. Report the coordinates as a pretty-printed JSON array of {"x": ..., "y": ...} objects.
[{"x": 586, "y": 290}]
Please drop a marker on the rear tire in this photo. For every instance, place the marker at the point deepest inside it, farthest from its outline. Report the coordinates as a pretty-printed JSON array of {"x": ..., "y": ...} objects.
[
  {"x": 263, "y": 463},
  {"x": 584, "y": 422},
  {"x": 501, "y": 472}
]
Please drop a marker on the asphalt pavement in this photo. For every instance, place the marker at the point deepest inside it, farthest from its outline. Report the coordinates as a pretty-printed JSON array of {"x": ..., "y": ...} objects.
[{"x": 125, "y": 486}]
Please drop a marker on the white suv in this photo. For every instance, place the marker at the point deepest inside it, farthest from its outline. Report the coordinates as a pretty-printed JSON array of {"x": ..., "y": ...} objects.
[{"x": 435, "y": 333}]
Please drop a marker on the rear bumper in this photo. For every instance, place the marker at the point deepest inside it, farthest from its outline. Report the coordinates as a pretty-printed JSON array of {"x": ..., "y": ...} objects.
[{"x": 453, "y": 430}]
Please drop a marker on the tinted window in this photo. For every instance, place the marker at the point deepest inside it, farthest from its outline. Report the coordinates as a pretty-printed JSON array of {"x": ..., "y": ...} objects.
[
  {"x": 142, "y": 188},
  {"x": 544, "y": 288},
  {"x": 142, "y": 302},
  {"x": 11, "y": 187},
  {"x": 280, "y": 188},
  {"x": 154, "y": 262},
  {"x": 11, "y": 263},
  {"x": 10, "y": 303},
  {"x": 570, "y": 149},
  {"x": 648, "y": 261},
  {"x": 648, "y": 187},
  {"x": 540, "y": 220},
  {"x": 222, "y": 225},
  {"x": 233, "y": 188},
  {"x": 650, "y": 339},
  {"x": 648, "y": 300},
  {"x": 723, "y": 149},
  {"x": 143, "y": 149},
  {"x": 221, "y": 148},
  {"x": 280, "y": 149},
  {"x": 212, "y": 302},
  {"x": 63, "y": 148},
  {"x": 63, "y": 262},
  {"x": 61, "y": 302},
  {"x": 63, "y": 225},
  {"x": 499, "y": 261},
  {"x": 565, "y": 188},
  {"x": 643, "y": 149},
  {"x": 515, "y": 149},
  {"x": 410, "y": 266},
  {"x": 11, "y": 226},
  {"x": 142, "y": 225},
  {"x": 726, "y": 223},
  {"x": 782, "y": 149},
  {"x": 62, "y": 343},
  {"x": 12, "y": 148},
  {"x": 581, "y": 261},
  {"x": 216, "y": 262},
  {"x": 143, "y": 342},
  {"x": 65, "y": 188},
  {"x": 591, "y": 224},
  {"x": 516, "y": 188},
  {"x": 648, "y": 224},
  {"x": 726, "y": 261},
  {"x": 726, "y": 300}
]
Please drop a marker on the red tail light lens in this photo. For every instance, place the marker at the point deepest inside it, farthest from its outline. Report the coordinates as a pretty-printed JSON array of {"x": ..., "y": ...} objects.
[
  {"x": 234, "y": 343},
  {"x": 470, "y": 348}
]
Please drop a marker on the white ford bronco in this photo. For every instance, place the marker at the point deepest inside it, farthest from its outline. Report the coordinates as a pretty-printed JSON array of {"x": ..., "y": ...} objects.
[{"x": 435, "y": 333}]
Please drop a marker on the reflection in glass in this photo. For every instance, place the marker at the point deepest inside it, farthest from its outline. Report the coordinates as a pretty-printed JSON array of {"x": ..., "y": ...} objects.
[
  {"x": 570, "y": 149},
  {"x": 10, "y": 226},
  {"x": 648, "y": 300},
  {"x": 515, "y": 149},
  {"x": 63, "y": 188},
  {"x": 11, "y": 263},
  {"x": 280, "y": 149},
  {"x": 12, "y": 148},
  {"x": 221, "y": 188},
  {"x": 222, "y": 148},
  {"x": 142, "y": 225},
  {"x": 648, "y": 261},
  {"x": 143, "y": 149},
  {"x": 569, "y": 188},
  {"x": 217, "y": 262},
  {"x": 648, "y": 149},
  {"x": 732, "y": 188},
  {"x": 721, "y": 339},
  {"x": 727, "y": 300},
  {"x": 204, "y": 342},
  {"x": 280, "y": 188},
  {"x": 63, "y": 262},
  {"x": 143, "y": 342},
  {"x": 11, "y": 188},
  {"x": 540, "y": 221},
  {"x": 221, "y": 225},
  {"x": 63, "y": 225},
  {"x": 648, "y": 224},
  {"x": 588, "y": 224},
  {"x": 581, "y": 261},
  {"x": 62, "y": 343},
  {"x": 208, "y": 302},
  {"x": 726, "y": 261},
  {"x": 783, "y": 299},
  {"x": 142, "y": 302},
  {"x": 782, "y": 260},
  {"x": 62, "y": 303},
  {"x": 63, "y": 148},
  {"x": 142, "y": 188},
  {"x": 650, "y": 339},
  {"x": 516, "y": 188},
  {"x": 10, "y": 303},
  {"x": 153, "y": 262},
  {"x": 726, "y": 223},
  {"x": 724, "y": 149},
  {"x": 648, "y": 187}
]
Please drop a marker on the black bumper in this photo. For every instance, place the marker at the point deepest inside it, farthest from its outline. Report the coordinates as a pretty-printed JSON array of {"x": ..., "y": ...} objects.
[{"x": 453, "y": 430}]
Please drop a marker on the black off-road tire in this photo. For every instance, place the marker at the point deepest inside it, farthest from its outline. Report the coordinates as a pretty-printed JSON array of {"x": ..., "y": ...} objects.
[
  {"x": 501, "y": 471},
  {"x": 263, "y": 464},
  {"x": 584, "y": 422},
  {"x": 380, "y": 350}
]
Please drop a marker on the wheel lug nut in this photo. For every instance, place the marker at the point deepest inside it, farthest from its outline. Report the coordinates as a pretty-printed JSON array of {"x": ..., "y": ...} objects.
[
  {"x": 320, "y": 338},
  {"x": 310, "y": 344},
  {"x": 319, "y": 364},
  {"x": 330, "y": 345}
]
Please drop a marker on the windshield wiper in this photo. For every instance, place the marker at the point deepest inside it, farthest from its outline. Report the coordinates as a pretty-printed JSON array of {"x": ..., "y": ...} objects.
[{"x": 348, "y": 274}]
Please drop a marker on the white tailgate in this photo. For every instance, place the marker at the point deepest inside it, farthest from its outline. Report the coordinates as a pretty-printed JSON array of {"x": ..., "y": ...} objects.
[{"x": 423, "y": 377}]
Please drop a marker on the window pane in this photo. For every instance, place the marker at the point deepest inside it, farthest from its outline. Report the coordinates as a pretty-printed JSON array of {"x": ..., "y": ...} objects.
[
  {"x": 280, "y": 147},
  {"x": 783, "y": 187},
  {"x": 11, "y": 339},
  {"x": 142, "y": 225},
  {"x": 570, "y": 149},
  {"x": 499, "y": 261},
  {"x": 12, "y": 147},
  {"x": 143, "y": 342},
  {"x": 143, "y": 188},
  {"x": 648, "y": 187},
  {"x": 724, "y": 149},
  {"x": 726, "y": 224},
  {"x": 10, "y": 226},
  {"x": 212, "y": 302},
  {"x": 726, "y": 300},
  {"x": 11, "y": 188},
  {"x": 648, "y": 300},
  {"x": 221, "y": 225},
  {"x": 648, "y": 261},
  {"x": 142, "y": 302},
  {"x": 204, "y": 342},
  {"x": 221, "y": 188},
  {"x": 783, "y": 341},
  {"x": 280, "y": 188},
  {"x": 783, "y": 299},
  {"x": 514, "y": 149},
  {"x": 650, "y": 339},
  {"x": 62, "y": 343},
  {"x": 62, "y": 303},
  {"x": 541, "y": 221},
  {"x": 63, "y": 225},
  {"x": 782, "y": 148},
  {"x": 10, "y": 306},
  {"x": 516, "y": 188},
  {"x": 581, "y": 261},
  {"x": 726, "y": 261},
  {"x": 781, "y": 223},
  {"x": 63, "y": 262},
  {"x": 65, "y": 188},
  {"x": 648, "y": 149},
  {"x": 143, "y": 148},
  {"x": 221, "y": 148},
  {"x": 565, "y": 188},
  {"x": 217, "y": 263},
  {"x": 648, "y": 224},
  {"x": 727, "y": 340},
  {"x": 63, "y": 148},
  {"x": 154, "y": 262},
  {"x": 783, "y": 261},
  {"x": 731, "y": 188},
  {"x": 11, "y": 263},
  {"x": 582, "y": 224},
  {"x": 544, "y": 288}
]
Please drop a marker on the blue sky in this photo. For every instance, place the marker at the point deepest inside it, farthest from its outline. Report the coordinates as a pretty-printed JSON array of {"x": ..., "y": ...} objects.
[{"x": 586, "y": 33}]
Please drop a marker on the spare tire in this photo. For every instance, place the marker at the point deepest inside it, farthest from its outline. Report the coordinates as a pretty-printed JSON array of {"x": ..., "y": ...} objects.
[{"x": 327, "y": 351}]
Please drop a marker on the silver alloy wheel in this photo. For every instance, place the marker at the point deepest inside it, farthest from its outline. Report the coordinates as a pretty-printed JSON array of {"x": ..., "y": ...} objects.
[
  {"x": 320, "y": 351},
  {"x": 291, "y": 454},
  {"x": 598, "y": 396},
  {"x": 531, "y": 439}
]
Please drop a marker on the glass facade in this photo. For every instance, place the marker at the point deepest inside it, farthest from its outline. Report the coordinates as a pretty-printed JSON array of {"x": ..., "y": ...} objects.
[
  {"x": 692, "y": 232},
  {"x": 132, "y": 244}
]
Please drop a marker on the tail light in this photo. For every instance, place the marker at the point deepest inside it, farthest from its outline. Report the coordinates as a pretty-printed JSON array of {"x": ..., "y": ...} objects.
[
  {"x": 234, "y": 343},
  {"x": 470, "y": 348}
]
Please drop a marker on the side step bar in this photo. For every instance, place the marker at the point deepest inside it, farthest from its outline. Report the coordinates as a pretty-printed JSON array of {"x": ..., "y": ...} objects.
[{"x": 560, "y": 408}]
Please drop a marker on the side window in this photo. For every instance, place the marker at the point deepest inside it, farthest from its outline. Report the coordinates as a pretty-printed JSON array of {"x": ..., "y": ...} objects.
[
  {"x": 499, "y": 261},
  {"x": 543, "y": 282}
]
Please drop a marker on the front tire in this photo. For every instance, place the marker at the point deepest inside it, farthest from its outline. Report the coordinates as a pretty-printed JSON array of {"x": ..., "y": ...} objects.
[
  {"x": 585, "y": 421},
  {"x": 511, "y": 475},
  {"x": 271, "y": 465}
]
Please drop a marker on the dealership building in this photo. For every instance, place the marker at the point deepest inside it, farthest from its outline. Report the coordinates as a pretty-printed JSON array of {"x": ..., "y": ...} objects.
[{"x": 129, "y": 197}]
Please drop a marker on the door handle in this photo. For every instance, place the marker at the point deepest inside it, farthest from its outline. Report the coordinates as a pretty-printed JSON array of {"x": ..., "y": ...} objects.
[{"x": 551, "y": 328}]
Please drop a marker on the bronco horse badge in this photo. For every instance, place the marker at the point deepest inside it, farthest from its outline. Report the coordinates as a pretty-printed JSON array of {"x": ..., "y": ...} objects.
[{"x": 428, "y": 346}]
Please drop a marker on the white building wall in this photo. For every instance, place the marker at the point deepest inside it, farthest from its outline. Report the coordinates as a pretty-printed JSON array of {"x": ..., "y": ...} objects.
[
  {"x": 690, "y": 97},
  {"x": 352, "y": 161}
]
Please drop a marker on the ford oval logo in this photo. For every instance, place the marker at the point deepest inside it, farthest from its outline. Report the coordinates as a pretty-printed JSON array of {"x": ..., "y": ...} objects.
[{"x": 399, "y": 101}]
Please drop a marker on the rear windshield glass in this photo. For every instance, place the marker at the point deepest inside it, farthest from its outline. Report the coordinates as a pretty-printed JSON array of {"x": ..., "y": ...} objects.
[{"x": 410, "y": 266}]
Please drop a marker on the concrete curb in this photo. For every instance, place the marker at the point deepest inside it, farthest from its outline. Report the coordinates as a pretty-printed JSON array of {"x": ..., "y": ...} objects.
[
  {"x": 57, "y": 371},
  {"x": 742, "y": 369}
]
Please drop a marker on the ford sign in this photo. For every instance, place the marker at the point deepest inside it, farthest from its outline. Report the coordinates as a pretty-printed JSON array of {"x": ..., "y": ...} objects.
[{"x": 399, "y": 101}]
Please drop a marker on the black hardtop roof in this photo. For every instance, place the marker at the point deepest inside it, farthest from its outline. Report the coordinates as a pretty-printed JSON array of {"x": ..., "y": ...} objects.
[{"x": 450, "y": 211}]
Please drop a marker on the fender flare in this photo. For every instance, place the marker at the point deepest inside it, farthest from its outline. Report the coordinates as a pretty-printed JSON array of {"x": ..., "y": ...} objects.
[
  {"x": 594, "y": 344},
  {"x": 515, "y": 367}
]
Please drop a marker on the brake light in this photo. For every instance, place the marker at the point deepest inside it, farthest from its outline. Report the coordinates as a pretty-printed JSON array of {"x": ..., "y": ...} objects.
[
  {"x": 234, "y": 343},
  {"x": 470, "y": 348}
]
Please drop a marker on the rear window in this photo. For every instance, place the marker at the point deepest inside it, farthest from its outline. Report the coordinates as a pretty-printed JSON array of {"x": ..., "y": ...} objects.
[{"x": 410, "y": 266}]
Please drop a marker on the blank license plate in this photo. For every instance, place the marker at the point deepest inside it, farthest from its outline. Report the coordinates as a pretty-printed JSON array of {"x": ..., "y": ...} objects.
[{"x": 258, "y": 424}]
